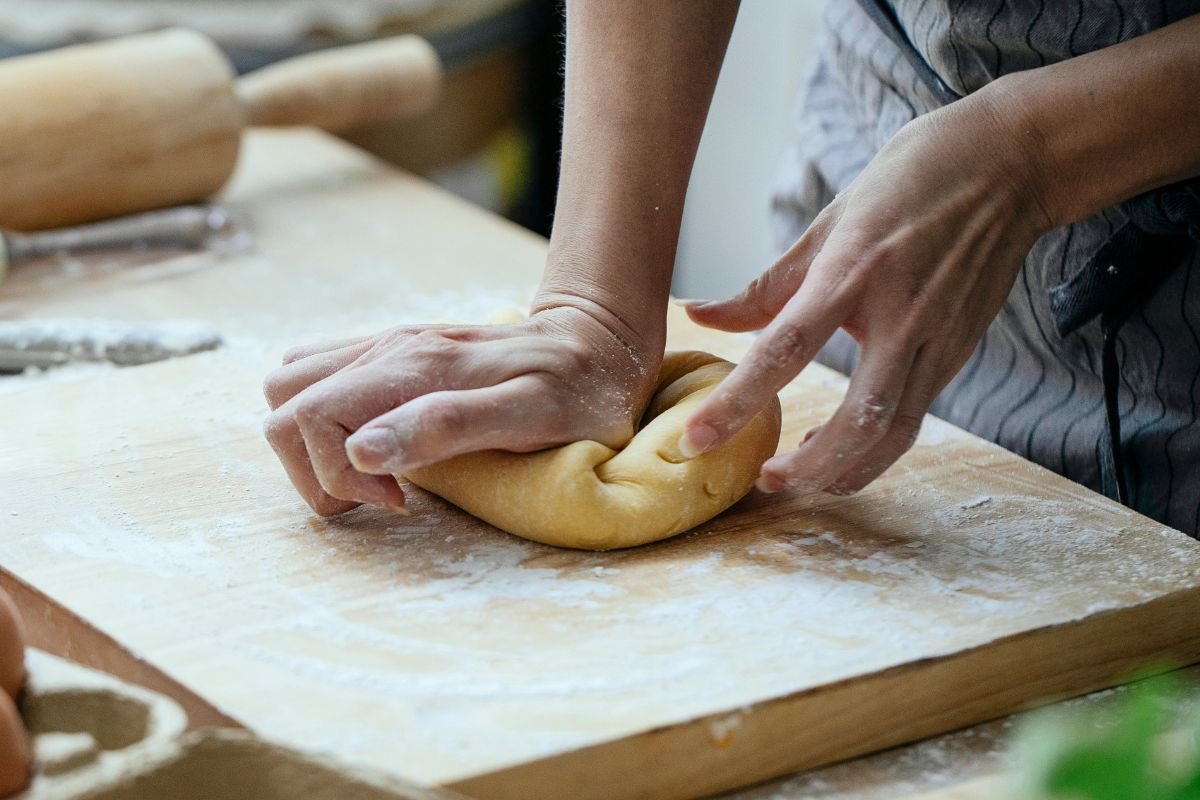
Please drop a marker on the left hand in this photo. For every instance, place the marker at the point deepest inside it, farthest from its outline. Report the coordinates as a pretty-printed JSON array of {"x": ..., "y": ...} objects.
[{"x": 914, "y": 259}]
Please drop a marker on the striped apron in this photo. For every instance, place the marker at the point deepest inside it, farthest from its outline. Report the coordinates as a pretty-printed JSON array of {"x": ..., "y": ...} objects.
[{"x": 1092, "y": 366}]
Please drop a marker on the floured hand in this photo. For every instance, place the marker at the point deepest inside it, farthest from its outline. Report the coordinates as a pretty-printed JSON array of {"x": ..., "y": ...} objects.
[{"x": 350, "y": 414}]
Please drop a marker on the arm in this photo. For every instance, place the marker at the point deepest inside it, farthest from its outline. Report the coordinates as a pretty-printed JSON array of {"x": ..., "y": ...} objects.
[
  {"x": 350, "y": 414},
  {"x": 1111, "y": 124},
  {"x": 639, "y": 80},
  {"x": 915, "y": 258}
]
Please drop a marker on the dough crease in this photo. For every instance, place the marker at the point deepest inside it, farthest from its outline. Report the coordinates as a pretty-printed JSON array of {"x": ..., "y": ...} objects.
[{"x": 588, "y": 496}]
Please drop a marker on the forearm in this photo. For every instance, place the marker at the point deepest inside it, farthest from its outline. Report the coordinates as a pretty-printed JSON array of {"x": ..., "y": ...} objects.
[
  {"x": 1111, "y": 124},
  {"x": 639, "y": 80}
]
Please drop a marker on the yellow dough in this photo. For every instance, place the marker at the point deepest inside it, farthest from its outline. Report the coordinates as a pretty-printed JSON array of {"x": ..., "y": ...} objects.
[{"x": 589, "y": 496}]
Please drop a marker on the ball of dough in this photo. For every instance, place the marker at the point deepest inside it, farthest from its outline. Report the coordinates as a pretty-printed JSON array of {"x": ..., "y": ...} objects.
[{"x": 589, "y": 496}]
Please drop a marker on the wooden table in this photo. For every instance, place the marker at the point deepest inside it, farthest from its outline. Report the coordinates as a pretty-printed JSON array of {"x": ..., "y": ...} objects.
[{"x": 148, "y": 530}]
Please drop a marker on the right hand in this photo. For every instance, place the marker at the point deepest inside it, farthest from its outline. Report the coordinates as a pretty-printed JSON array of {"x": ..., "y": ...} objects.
[{"x": 349, "y": 415}]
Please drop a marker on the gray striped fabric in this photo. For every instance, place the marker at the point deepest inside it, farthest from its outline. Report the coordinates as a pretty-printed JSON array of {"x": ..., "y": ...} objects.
[{"x": 1026, "y": 387}]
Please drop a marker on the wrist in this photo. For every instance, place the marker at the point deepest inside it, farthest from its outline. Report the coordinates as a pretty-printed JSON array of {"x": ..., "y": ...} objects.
[
  {"x": 1108, "y": 125},
  {"x": 1014, "y": 137},
  {"x": 636, "y": 319}
]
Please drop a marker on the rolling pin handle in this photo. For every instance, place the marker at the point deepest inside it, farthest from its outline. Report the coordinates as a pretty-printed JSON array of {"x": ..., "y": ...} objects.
[{"x": 345, "y": 87}]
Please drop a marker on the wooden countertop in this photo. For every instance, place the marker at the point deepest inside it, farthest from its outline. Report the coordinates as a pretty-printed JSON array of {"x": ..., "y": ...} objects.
[{"x": 148, "y": 530}]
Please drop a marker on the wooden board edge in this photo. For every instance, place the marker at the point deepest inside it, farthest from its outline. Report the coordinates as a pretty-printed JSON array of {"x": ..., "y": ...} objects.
[
  {"x": 819, "y": 726},
  {"x": 52, "y": 627}
]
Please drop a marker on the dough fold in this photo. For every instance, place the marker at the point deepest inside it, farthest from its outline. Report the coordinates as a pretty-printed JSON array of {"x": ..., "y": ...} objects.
[{"x": 588, "y": 496}]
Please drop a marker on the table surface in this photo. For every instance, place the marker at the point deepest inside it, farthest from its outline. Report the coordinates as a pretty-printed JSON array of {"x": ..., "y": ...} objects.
[{"x": 290, "y": 177}]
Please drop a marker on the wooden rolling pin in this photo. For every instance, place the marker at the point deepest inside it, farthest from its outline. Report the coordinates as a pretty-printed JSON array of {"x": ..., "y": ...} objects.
[{"x": 152, "y": 120}]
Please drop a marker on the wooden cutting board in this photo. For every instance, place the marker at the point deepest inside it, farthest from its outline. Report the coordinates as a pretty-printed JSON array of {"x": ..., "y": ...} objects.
[{"x": 789, "y": 632}]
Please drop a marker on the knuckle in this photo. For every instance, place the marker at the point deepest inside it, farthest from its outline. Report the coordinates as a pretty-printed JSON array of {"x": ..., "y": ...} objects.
[
  {"x": 278, "y": 427},
  {"x": 316, "y": 407},
  {"x": 577, "y": 357},
  {"x": 441, "y": 418},
  {"x": 393, "y": 337},
  {"x": 307, "y": 408},
  {"x": 275, "y": 388},
  {"x": 787, "y": 344},
  {"x": 430, "y": 342},
  {"x": 757, "y": 292},
  {"x": 871, "y": 414}
]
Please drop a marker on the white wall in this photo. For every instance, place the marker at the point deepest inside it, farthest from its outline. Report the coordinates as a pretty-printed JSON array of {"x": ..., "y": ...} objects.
[{"x": 726, "y": 238}]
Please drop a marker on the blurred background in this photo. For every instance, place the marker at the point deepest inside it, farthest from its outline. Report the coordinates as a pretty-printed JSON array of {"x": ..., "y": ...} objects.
[{"x": 493, "y": 138}]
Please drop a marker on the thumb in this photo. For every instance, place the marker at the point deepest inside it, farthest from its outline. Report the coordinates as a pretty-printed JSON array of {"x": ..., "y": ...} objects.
[
  {"x": 756, "y": 305},
  {"x": 753, "y": 308}
]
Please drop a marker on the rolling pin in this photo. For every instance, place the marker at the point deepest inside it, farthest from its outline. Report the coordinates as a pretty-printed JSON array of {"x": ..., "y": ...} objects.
[{"x": 130, "y": 124}]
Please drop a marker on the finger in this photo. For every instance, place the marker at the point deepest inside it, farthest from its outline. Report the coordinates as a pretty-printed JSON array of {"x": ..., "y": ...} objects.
[
  {"x": 323, "y": 437},
  {"x": 328, "y": 412},
  {"x": 283, "y": 434},
  {"x": 784, "y": 348},
  {"x": 929, "y": 377},
  {"x": 517, "y": 415},
  {"x": 297, "y": 375},
  {"x": 307, "y": 350},
  {"x": 861, "y": 421},
  {"x": 766, "y": 295}
]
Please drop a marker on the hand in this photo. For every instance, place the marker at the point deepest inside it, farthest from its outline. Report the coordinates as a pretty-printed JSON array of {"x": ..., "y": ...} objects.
[
  {"x": 914, "y": 259},
  {"x": 350, "y": 414}
]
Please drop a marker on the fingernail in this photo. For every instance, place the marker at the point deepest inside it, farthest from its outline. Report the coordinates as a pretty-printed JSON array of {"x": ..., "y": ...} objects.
[
  {"x": 699, "y": 305},
  {"x": 696, "y": 440},
  {"x": 374, "y": 448},
  {"x": 401, "y": 510},
  {"x": 686, "y": 302},
  {"x": 811, "y": 433},
  {"x": 767, "y": 485}
]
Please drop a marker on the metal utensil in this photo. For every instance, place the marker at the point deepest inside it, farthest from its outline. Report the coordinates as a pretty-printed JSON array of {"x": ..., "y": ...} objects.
[{"x": 200, "y": 227}]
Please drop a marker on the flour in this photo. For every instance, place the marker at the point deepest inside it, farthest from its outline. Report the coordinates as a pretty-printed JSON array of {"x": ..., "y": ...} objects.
[
  {"x": 32, "y": 376},
  {"x": 421, "y": 644},
  {"x": 58, "y": 341},
  {"x": 722, "y": 729}
]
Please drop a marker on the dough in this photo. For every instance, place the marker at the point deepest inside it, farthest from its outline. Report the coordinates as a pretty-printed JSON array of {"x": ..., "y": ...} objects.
[{"x": 586, "y": 495}]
